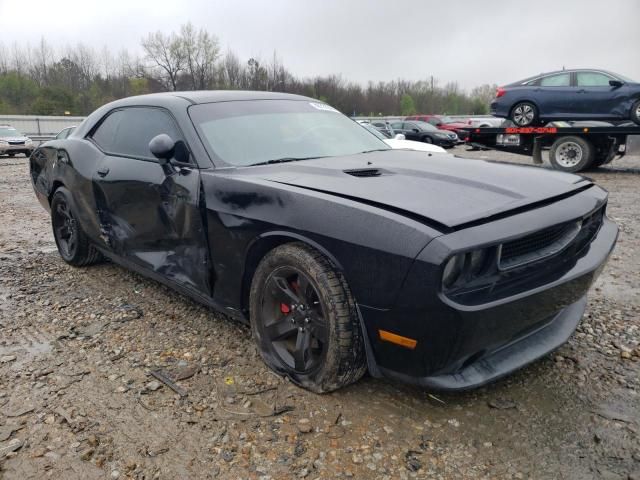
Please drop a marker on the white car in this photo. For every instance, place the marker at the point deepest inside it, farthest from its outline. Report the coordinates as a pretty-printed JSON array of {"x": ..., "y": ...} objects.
[
  {"x": 12, "y": 142},
  {"x": 399, "y": 141}
]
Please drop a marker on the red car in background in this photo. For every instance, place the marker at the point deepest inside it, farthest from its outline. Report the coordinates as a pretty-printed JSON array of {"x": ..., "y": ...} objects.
[{"x": 442, "y": 122}]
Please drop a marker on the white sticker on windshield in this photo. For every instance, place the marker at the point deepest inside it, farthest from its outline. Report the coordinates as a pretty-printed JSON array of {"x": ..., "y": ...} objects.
[{"x": 322, "y": 106}]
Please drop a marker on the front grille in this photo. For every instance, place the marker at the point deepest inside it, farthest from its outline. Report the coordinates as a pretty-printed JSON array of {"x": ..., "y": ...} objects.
[
  {"x": 538, "y": 245},
  {"x": 549, "y": 241}
]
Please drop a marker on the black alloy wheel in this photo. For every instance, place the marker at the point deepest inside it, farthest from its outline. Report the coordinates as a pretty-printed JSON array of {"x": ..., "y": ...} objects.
[
  {"x": 65, "y": 229},
  {"x": 73, "y": 245},
  {"x": 304, "y": 319},
  {"x": 294, "y": 320}
]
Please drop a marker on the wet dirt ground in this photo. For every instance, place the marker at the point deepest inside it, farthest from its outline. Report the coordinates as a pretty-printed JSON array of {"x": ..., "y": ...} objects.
[{"x": 77, "y": 400}]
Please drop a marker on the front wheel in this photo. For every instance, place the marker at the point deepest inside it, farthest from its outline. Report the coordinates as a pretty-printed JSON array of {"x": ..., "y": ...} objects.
[
  {"x": 524, "y": 114},
  {"x": 73, "y": 245},
  {"x": 571, "y": 154},
  {"x": 304, "y": 319},
  {"x": 427, "y": 140},
  {"x": 635, "y": 112}
]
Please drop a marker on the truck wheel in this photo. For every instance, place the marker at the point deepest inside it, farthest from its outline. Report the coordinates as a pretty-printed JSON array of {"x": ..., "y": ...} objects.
[
  {"x": 524, "y": 114},
  {"x": 304, "y": 319},
  {"x": 571, "y": 154},
  {"x": 635, "y": 112},
  {"x": 73, "y": 245}
]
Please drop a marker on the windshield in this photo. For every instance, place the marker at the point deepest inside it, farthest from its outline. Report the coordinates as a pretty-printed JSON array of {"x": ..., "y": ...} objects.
[
  {"x": 8, "y": 132},
  {"x": 375, "y": 131},
  {"x": 426, "y": 127},
  {"x": 447, "y": 120},
  {"x": 244, "y": 133},
  {"x": 623, "y": 78}
]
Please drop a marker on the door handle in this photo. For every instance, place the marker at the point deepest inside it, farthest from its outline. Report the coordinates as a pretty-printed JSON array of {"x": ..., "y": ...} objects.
[{"x": 103, "y": 171}]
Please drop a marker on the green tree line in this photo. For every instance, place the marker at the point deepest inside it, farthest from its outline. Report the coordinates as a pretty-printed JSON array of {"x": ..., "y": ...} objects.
[{"x": 40, "y": 80}]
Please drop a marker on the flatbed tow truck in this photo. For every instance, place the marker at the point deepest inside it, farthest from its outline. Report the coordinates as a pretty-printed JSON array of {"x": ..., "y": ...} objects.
[{"x": 572, "y": 147}]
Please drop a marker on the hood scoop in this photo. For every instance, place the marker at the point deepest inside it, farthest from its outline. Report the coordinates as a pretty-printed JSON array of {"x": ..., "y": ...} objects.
[{"x": 367, "y": 172}]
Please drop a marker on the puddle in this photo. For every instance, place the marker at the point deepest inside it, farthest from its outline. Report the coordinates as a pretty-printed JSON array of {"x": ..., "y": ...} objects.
[{"x": 26, "y": 353}]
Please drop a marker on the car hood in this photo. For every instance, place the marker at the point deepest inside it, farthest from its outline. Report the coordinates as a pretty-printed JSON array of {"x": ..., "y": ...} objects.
[{"x": 444, "y": 189}]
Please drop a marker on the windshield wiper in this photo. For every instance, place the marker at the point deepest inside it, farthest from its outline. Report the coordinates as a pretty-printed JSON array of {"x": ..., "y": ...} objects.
[
  {"x": 376, "y": 150},
  {"x": 283, "y": 160}
]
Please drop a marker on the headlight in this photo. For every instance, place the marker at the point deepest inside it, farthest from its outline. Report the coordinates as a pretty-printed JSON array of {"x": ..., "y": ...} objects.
[
  {"x": 28, "y": 141},
  {"x": 453, "y": 269},
  {"x": 442, "y": 135},
  {"x": 466, "y": 266},
  {"x": 4, "y": 142}
]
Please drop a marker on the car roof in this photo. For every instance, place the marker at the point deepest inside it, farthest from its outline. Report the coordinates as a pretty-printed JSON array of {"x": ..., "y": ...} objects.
[
  {"x": 208, "y": 96},
  {"x": 570, "y": 70}
]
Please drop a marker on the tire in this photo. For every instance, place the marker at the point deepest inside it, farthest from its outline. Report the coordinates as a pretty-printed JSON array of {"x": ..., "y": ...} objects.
[
  {"x": 635, "y": 112},
  {"x": 524, "y": 114},
  {"x": 314, "y": 313},
  {"x": 571, "y": 154},
  {"x": 73, "y": 245},
  {"x": 11, "y": 154},
  {"x": 427, "y": 140}
]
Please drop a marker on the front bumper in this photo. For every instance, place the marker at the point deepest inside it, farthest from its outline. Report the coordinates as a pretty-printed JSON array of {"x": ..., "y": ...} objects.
[
  {"x": 26, "y": 149},
  {"x": 461, "y": 346}
]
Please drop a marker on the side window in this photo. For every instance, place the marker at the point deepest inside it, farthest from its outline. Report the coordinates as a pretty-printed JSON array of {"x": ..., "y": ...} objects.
[
  {"x": 397, "y": 126},
  {"x": 129, "y": 131},
  {"x": 560, "y": 80},
  {"x": 433, "y": 121},
  {"x": 592, "y": 79},
  {"x": 409, "y": 126}
]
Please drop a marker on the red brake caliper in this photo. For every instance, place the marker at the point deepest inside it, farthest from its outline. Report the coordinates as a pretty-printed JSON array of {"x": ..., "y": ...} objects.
[{"x": 284, "y": 308}]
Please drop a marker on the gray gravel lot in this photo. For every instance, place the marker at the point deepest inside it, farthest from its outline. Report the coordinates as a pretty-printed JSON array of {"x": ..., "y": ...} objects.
[{"x": 76, "y": 399}]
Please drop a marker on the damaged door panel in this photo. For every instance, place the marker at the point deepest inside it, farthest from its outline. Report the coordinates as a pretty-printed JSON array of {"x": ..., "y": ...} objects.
[{"x": 148, "y": 213}]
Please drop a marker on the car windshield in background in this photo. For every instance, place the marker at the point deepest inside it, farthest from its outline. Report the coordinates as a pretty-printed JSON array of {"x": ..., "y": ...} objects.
[
  {"x": 447, "y": 120},
  {"x": 9, "y": 132},
  {"x": 426, "y": 127},
  {"x": 246, "y": 133},
  {"x": 376, "y": 132}
]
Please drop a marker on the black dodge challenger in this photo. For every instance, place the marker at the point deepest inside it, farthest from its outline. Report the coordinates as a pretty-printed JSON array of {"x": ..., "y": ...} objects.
[{"x": 343, "y": 255}]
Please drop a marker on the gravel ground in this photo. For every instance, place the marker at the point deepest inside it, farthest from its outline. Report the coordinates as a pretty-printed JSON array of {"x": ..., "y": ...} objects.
[{"x": 77, "y": 399}]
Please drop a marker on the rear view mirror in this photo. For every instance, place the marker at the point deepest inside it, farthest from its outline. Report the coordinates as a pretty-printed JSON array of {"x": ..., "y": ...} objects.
[
  {"x": 162, "y": 147},
  {"x": 616, "y": 83},
  {"x": 400, "y": 136}
]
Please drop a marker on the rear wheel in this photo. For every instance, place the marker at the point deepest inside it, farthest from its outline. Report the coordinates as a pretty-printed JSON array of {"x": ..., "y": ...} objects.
[
  {"x": 304, "y": 319},
  {"x": 524, "y": 114},
  {"x": 571, "y": 154},
  {"x": 635, "y": 112},
  {"x": 73, "y": 245}
]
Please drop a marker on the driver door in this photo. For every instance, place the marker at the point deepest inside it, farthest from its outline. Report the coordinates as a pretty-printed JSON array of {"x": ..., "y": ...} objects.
[{"x": 149, "y": 214}]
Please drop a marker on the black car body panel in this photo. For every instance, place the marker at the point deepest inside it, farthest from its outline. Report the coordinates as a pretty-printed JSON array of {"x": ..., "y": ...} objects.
[
  {"x": 571, "y": 100},
  {"x": 202, "y": 227}
]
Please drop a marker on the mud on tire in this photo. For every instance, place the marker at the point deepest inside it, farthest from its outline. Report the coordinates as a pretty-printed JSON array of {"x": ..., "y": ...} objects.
[{"x": 342, "y": 360}]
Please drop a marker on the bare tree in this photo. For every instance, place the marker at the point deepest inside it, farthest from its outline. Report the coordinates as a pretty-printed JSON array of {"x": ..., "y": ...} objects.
[
  {"x": 167, "y": 54},
  {"x": 232, "y": 69},
  {"x": 201, "y": 50}
]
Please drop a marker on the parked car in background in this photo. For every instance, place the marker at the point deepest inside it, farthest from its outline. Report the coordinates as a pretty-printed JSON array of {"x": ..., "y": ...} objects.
[
  {"x": 65, "y": 132},
  {"x": 441, "y": 122},
  {"x": 341, "y": 253},
  {"x": 427, "y": 133},
  {"x": 398, "y": 141},
  {"x": 582, "y": 94},
  {"x": 13, "y": 142}
]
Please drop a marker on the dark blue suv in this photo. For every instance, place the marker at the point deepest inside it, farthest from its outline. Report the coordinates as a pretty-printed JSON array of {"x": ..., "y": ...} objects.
[{"x": 569, "y": 95}]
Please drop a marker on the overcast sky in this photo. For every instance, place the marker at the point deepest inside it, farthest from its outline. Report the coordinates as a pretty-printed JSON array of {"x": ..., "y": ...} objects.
[{"x": 469, "y": 41}]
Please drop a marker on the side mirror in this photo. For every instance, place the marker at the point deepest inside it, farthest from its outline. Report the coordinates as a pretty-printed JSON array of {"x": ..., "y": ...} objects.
[
  {"x": 400, "y": 136},
  {"x": 163, "y": 148},
  {"x": 616, "y": 83},
  {"x": 415, "y": 130}
]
